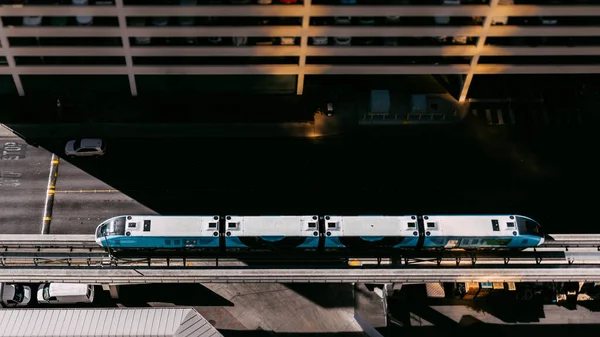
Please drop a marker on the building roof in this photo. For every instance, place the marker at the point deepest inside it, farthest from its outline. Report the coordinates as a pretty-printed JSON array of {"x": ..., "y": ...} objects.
[{"x": 113, "y": 322}]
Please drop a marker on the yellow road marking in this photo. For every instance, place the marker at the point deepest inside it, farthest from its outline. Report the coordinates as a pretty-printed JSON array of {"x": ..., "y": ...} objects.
[
  {"x": 55, "y": 162},
  {"x": 50, "y": 192},
  {"x": 88, "y": 191},
  {"x": 47, "y": 218}
]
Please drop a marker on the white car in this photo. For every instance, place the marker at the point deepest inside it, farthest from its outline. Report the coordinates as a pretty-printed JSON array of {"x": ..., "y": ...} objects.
[
  {"x": 15, "y": 295},
  {"x": 86, "y": 147}
]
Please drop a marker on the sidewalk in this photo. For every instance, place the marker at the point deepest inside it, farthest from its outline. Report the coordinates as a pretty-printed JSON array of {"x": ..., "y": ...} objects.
[{"x": 6, "y": 132}]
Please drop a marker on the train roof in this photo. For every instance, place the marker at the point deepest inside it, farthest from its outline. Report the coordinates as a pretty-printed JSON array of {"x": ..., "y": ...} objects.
[
  {"x": 302, "y": 225},
  {"x": 367, "y": 225},
  {"x": 466, "y": 225},
  {"x": 155, "y": 225}
]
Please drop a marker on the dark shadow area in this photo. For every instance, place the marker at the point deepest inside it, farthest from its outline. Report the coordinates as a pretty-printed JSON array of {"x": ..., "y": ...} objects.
[
  {"x": 468, "y": 168},
  {"x": 468, "y": 326},
  {"x": 325, "y": 295},
  {"x": 458, "y": 169},
  {"x": 510, "y": 310},
  {"x": 475, "y": 328},
  {"x": 263, "y": 333},
  {"x": 177, "y": 294},
  {"x": 590, "y": 305},
  {"x": 77, "y": 108}
]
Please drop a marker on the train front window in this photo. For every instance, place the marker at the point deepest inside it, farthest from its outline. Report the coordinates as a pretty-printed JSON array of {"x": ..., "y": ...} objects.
[
  {"x": 102, "y": 231},
  {"x": 527, "y": 226},
  {"x": 117, "y": 226},
  {"x": 113, "y": 227},
  {"x": 533, "y": 227}
]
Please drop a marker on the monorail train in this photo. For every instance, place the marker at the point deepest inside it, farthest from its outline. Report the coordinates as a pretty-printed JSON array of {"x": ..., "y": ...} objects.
[{"x": 322, "y": 234}]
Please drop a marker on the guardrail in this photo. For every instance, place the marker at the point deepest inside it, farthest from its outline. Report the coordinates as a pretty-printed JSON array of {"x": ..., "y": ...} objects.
[
  {"x": 572, "y": 240},
  {"x": 81, "y": 251},
  {"x": 47, "y": 241},
  {"x": 534, "y": 273},
  {"x": 92, "y": 259}
]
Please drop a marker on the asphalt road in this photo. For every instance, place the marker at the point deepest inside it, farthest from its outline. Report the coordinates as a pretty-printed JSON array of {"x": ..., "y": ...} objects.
[
  {"x": 23, "y": 182},
  {"x": 83, "y": 201},
  {"x": 547, "y": 174}
]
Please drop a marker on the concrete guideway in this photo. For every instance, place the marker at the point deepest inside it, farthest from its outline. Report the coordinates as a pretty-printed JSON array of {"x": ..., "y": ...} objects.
[{"x": 113, "y": 276}]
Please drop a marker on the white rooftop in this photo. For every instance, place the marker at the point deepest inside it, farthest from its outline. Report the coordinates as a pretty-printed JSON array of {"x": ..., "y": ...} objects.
[{"x": 114, "y": 322}]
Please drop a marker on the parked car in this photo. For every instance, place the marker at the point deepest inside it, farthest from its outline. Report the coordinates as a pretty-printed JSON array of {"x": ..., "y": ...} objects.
[
  {"x": 86, "y": 147},
  {"x": 14, "y": 295}
]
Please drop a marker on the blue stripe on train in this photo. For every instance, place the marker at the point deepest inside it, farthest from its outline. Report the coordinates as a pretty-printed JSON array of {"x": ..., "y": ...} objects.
[
  {"x": 520, "y": 241},
  {"x": 161, "y": 242},
  {"x": 334, "y": 242},
  {"x": 235, "y": 242}
]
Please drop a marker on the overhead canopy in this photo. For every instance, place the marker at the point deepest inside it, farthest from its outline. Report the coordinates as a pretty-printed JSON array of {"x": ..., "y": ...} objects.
[{"x": 117, "y": 322}]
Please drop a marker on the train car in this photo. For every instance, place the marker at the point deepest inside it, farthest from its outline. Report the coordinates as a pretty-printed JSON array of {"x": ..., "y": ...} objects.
[
  {"x": 159, "y": 232},
  {"x": 370, "y": 234},
  {"x": 287, "y": 234},
  {"x": 357, "y": 235},
  {"x": 480, "y": 232}
]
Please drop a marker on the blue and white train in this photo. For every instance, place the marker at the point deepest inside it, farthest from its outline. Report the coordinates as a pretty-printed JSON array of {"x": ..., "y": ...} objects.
[{"x": 322, "y": 234}]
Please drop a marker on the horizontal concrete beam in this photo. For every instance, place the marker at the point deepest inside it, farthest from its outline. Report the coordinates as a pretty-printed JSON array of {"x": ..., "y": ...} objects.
[
  {"x": 273, "y": 31},
  {"x": 311, "y": 69},
  {"x": 52, "y": 239},
  {"x": 261, "y": 51},
  {"x": 297, "y": 10},
  {"x": 563, "y": 273}
]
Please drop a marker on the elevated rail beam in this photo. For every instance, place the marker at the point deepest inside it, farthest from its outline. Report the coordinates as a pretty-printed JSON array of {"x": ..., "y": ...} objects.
[
  {"x": 304, "y": 275},
  {"x": 26, "y": 258},
  {"x": 47, "y": 241}
]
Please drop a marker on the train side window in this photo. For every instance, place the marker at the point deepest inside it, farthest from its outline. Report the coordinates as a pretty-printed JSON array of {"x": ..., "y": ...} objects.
[
  {"x": 176, "y": 242},
  {"x": 212, "y": 225},
  {"x": 232, "y": 225},
  {"x": 131, "y": 225},
  {"x": 495, "y": 225},
  {"x": 147, "y": 225},
  {"x": 168, "y": 242},
  {"x": 412, "y": 225},
  {"x": 510, "y": 225},
  {"x": 331, "y": 225},
  {"x": 312, "y": 225},
  {"x": 431, "y": 225}
]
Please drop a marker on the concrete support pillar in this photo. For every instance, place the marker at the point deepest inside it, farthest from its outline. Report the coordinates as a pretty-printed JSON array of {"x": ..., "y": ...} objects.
[{"x": 112, "y": 289}]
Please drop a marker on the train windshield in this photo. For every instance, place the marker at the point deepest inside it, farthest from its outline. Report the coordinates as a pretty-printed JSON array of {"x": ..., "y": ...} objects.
[
  {"x": 528, "y": 226},
  {"x": 114, "y": 226}
]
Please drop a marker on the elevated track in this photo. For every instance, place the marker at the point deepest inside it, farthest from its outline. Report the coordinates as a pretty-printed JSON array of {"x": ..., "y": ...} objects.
[
  {"x": 140, "y": 275},
  {"x": 77, "y": 258}
]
